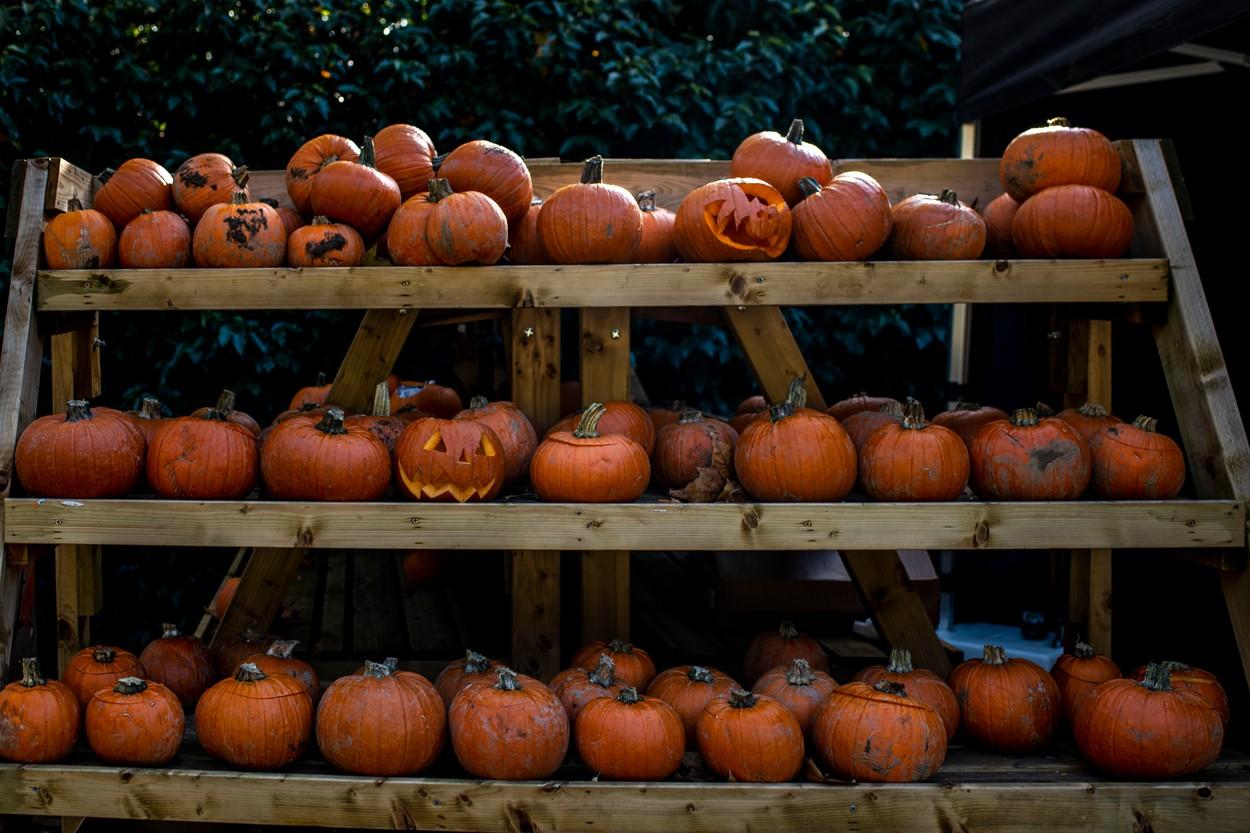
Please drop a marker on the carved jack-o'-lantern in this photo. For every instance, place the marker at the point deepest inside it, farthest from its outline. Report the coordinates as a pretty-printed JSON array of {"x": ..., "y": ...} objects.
[{"x": 445, "y": 459}]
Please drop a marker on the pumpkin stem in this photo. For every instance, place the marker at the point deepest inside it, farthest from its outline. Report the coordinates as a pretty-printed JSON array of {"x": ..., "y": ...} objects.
[
  {"x": 1173, "y": 665},
  {"x": 809, "y": 187},
  {"x": 1092, "y": 409},
  {"x": 592, "y": 171},
  {"x": 1082, "y": 649},
  {"x": 900, "y": 661},
  {"x": 478, "y": 402},
  {"x": 437, "y": 161},
  {"x": 585, "y": 429},
  {"x": 392, "y": 663},
  {"x": 380, "y": 670},
  {"x": 965, "y": 405},
  {"x": 321, "y": 378},
  {"x": 131, "y": 685},
  {"x": 332, "y": 423},
  {"x": 1058, "y": 121},
  {"x": 620, "y": 646},
  {"x": 787, "y": 630},
  {"x": 439, "y": 189},
  {"x": 367, "y": 155},
  {"x": 282, "y": 648},
  {"x": 269, "y": 201},
  {"x": 1043, "y": 410},
  {"x": 103, "y": 654},
  {"x": 1146, "y": 423},
  {"x": 249, "y": 672},
  {"x": 30, "y": 673},
  {"x": 629, "y": 696},
  {"x": 1158, "y": 677},
  {"x": 604, "y": 673},
  {"x": 240, "y": 176},
  {"x": 224, "y": 407},
  {"x": 321, "y": 220},
  {"x": 646, "y": 200},
  {"x": 699, "y": 674},
  {"x": 106, "y": 174},
  {"x": 913, "y": 416},
  {"x": 887, "y": 687},
  {"x": 895, "y": 408},
  {"x": 994, "y": 655},
  {"x": 151, "y": 408},
  {"x": 740, "y": 698},
  {"x": 76, "y": 410},
  {"x": 507, "y": 680},
  {"x": 382, "y": 399},
  {"x": 1024, "y": 417},
  {"x": 169, "y": 630},
  {"x": 949, "y": 196},
  {"x": 795, "y": 134},
  {"x": 75, "y": 204},
  {"x": 475, "y": 663},
  {"x": 796, "y": 398},
  {"x": 800, "y": 673},
  {"x": 690, "y": 415}
]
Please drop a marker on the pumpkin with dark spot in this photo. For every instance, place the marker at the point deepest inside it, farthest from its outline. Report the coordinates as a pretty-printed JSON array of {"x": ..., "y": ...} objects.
[
  {"x": 203, "y": 180},
  {"x": 325, "y": 243},
  {"x": 380, "y": 422},
  {"x": 590, "y": 221},
  {"x": 1026, "y": 458},
  {"x": 1058, "y": 154},
  {"x": 1136, "y": 462},
  {"x": 239, "y": 234},
  {"x": 464, "y": 227},
  {"x": 313, "y": 156},
  {"x": 81, "y": 238},
  {"x": 878, "y": 733}
]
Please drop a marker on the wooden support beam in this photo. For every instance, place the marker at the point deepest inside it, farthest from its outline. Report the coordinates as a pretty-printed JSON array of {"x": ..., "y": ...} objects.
[
  {"x": 536, "y": 613},
  {"x": 535, "y": 347},
  {"x": 1236, "y": 588},
  {"x": 1100, "y": 600},
  {"x": 261, "y": 590},
  {"x": 772, "y": 352},
  {"x": 378, "y": 342},
  {"x": 896, "y": 609},
  {"x": 68, "y": 608}
]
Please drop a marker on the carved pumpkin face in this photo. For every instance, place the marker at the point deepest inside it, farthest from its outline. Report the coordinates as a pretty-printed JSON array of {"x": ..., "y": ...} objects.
[{"x": 443, "y": 459}]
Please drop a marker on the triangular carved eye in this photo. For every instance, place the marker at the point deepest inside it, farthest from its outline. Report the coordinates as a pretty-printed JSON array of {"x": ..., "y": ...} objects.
[
  {"x": 464, "y": 456},
  {"x": 435, "y": 443}
]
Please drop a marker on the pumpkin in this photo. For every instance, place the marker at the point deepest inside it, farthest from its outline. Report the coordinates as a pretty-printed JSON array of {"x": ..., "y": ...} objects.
[
  {"x": 633, "y": 665},
  {"x": 323, "y": 243},
  {"x": 1058, "y": 154},
  {"x": 1072, "y": 221},
  {"x": 1148, "y": 728},
  {"x": 382, "y": 723},
  {"x": 590, "y": 221},
  {"x": 1026, "y": 458},
  {"x": 922, "y": 685},
  {"x": 311, "y": 395},
  {"x": 797, "y": 454},
  {"x": 307, "y": 460},
  {"x": 576, "y": 686},
  {"x": 357, "y": 193},
  {"x": 1136, "y": 462},
  {"x": 937, "y": 228},
  {"x": 618, "y": 418},
  {"x": 513, "y": 429},
  {"x": 750, "y": 737},
  {"x": 656, "y": 245},
  {"x": 181, "y": 663},
  {"x": 80, "y": 453},
  {"x": 860, "y": 426},
  {"x": 967, "y": 418},
  {"x": 683, "y": 448},
  {"x": 797, "y": 687},
  {"x": 203, "y": 180},
  {"x": 732, "y": 220},
  {"x": 630, "y": 737},
  {"x": 781, "y": 161},
  {"x": 381, "y": 424},
  {"x": 1203, "y": 683},
  {"x": 749, "y": 410},
  {"x": 439, "y": 400},
  {"x": 688, "y": 689},
  {"x": 225, "y": 405},
  {"x": 405, "y": 154},
  {"x": 81, "y": 238},
  {"x": 155, "y": 240},
  {"x": 525, "y": 247},
  {"x": 998, "y": 216},
  {"x": 783, "y": 646},
  {"x": 583, "y": 465},
  {"x": 464, "y": 672},
  {"x": 857, "y": 402},
  {"x": 207, "y": 457},
  {"x": 149, "y": 417},
  {"x": 239, "y": 234},
  {"x": 229, "y": 713},
  {"x": 98, "y": 668},
  {"x": 38, "y": 718},
  {"x": 492, "y": 170},
  {"x": 234, "y": 650},
  {"x": 134, "y": 722},
  {"x": 1079, "y": 672},
  {"x": 1088, "y": 419},
  {"x": 879, "y": 733},
  {"x": 848, "y": 219},
  {"x": 663, "y": 416},
  {"x": 914, "y": 460},
  {"x": 136, "y": 184},
  {"x": 464, "y": 227},
  {"x": 420, "y": 566},
  {"x": 515, "y": 729},
  {"x": 278, "y": 660},
  {"x": 449, "y": 459},
  {"x": 1007, "y": 705},
  {"x": 313, "y": 157},
  {"x": 291, "y": 219}
]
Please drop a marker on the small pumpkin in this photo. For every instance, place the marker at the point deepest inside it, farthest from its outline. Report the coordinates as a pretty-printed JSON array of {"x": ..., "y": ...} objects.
[
  {"x": 783, "y": 646},
  {"x": 749, "y": 410},
  {"x": 207, "y": 457},
  {"x": 921, "y": 684},
  {"x": 464, "y": 672},
  {"x": 590, "y": 221},
  {"x": 1072, "y": 221},
  {"x": 80, "y": 238},
  {"x": 438, "y": 400},
  {"x": 1079, "y": 672},
  {"x": 80, "y": 453},
  {"x": 492, "y": 170},
  {"x": 149, "y": 417},
  {"x": 356, "y": 193},
  {"x": 750, "y": 737},
  {"x": 1136, "y": 462},
  {"x": 181, "y": 663},
  {"x": 857, "y": 402},
  {"x": 633, "y": 665},
  {"x": 937, "y": 228},
  {"x": 513, "y": 429},
  {"x": 630, "y": 737},
  {"x": 233, "y": 651},
  {"x": 998, "y": 216},
  {"x": 739, "y": 219},
  {"x": 1058, "y": 154},
  {"x": 383, "y": 723},
  {"x": 618, "y": 418},
  {"x": 576, "y": 686},
  {"x": 1203, "y": 683},
  {"x": 847, "y": 219},
  {"x": 326, "y": 460},
  {"x": 225, "y": 405},
  {"x": 280, "y": 659},
  {"x": 324, "y": 243},
  {"x": 682, "y": 448},
  {"x": 525, "y": 246},
  {"x": 1007, "y": 705},
  {"x": 239, "y": 234},
  {"x": 203, "y": 180},
  {"x": 860, "y": 426},
  {"x": 291, "y": 219},
  {"x": 797, "y": 687},
  {"x": 586, "y": 466},
  {"x": 663, "y": 416},
  {"x": 688, "y": 689},
  {"x": 1088, "y": 419},
  {"x": 513, "y": 730},
  {"x": 406, "y": 154},
  {"x": 421, "y": 566},
  {"x": 229, "y": 713},
  {"x": 1026, "y": 458},
  {"x": 38, "y": 718},
  {"x": 656, "y": 245},
  {"x": 446, "y": 459},
  {"x": 967, "y": 418},
  {"x": 134, "y": 722},
  {"x": 465, "y": 226},
  {"x": 136, "y": 184},
  {"x": 878, "y": 733},
  {"x": 311, "y": 158},
  {"x": 782, "y": 161},
  {"x": 380, "y": 423},
  {"x": 914, "y": 460},
  {"x": 99, "y": 668},
  {"x": 316, "y": 394},
  {"x": 155, "y": 240}
]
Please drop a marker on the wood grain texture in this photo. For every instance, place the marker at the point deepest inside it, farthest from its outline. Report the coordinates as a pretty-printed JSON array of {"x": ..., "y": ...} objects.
[
  {"x": 535, "y": 358},
  {"x": 68, "y": 641},
  {"x": 896, "y": 609},
  {"x": 536, "y": 613},
  {"x": 262, "y": 588},
  {"x": 637, "y": 526},
  {"x": 1236, "y": 587},
  {"x": 1100, "y": 600},
  {"x": 772, "y": 352},
  {"x": 373, "y": 351},
  {"x": 633, "y": 285},
  {"x": 66, "y": 182}
]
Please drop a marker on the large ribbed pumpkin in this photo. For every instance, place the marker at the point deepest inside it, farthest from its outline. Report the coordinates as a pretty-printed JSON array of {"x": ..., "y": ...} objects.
[
  {"x": 494, "y": 171},
  {"x": 229, "y": 714},
  {"x": 1079, "y": 672},
  {"x": 732, "y": 220},
  {"x": 913, "y": 460},
  {"x": 684, "y": 447},
  {"x": 136, "y": 184},
  {"x": 181, "y": 663},
  {"x": 465, "y": 226},
  {"x": 239, "y": 234},
  {"x": 1072, "y": 221},
  {"x": 1058, "y": 154},
  {"x": 99, "y": 668},
  {"x": 81, "y": 238},
  {"x": 576, "y": 686},
  {"x": 630, "y": 737},
  {"x": 325, "y": 460},
  {"x": 928, "y": 227},
  {"x": 879, "y": 733},
  {"x": 312, "y": 157},
  {"x": 782, "y": 161},
  {"x": 688, "y": 689},
  {"x": 38, "y": 718},
  {"x": 203, "y": 180},
  {"x": 1007, "y": 705},
  {"x": 405, "y": 154},
  {"x": 799, "y": 688},
  {"x": 1026, "y": 458},
  {"x": 80, "y": 454},
  {"x": 633, "y": 665},
  {"x": 750, "y": 737},
  {"x": 590, "y": 221},
  {"x": 449, "y": 459},
  {"x": 1136, "y": 462},
  {"x": 583, "y": 465},
  {"x": 1203, "y": 683},
  {"x": 921, "y": 684},
  {"x": 206, "y": 457},
  {"x": 657, "y": 244},
  {"x": 513, "y": 428},
  {"x": 515, "y": 729},
  {"x": 847, "y": 219},
  {"x": 783, "y": 646},
  {"x": 134, "y": 722}
]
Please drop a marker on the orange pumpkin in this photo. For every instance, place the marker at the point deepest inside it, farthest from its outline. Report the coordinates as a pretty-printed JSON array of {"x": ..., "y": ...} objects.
[
  {"x": 656, "y": 245},
  {"x": 1072, "y": 221},
  {"x": 203, "y": 180},
  {"x": 586, "y": 466},
  {"x": 38, "y": 718},
  {"x": 313, "y": 157},
  {"x": 878, "y": 733},
  {"x": 513, "y": 730},
  {"x": 1007, "y": 705},
  {"x": 465, "y": 227},
  {"x": 279, "y": 659},
  {"x": 857, "y": 402},
  {"x": 181, "y": 663},
  {"x": 914, "y": 460},
  {"x": 81, "y": 238},
  {"x": 80, "y": 453},
  {"x": 860, "y": 426},
  {"x": 967, "y": 418},
  {"x": 921, "y": 684},
  {"x": 1079, "y": 672},
  {"x": 234, "y": 650},
  {"x": 749, "y": 410},
  {"x": 380, "y": 423},
  {"x": 732, "y": 220},
  {"x": 1058, "y": 154},
  {"x": 445, "y": 459},
  {"x": 633, "y": 664},
  {"x": 405, "y": 154},
  {"x": 225, "y": 405},
  {"x": 209, "y": 457},
  {"x": 1088, "y": 419},
  {"x": 576, "y": 686},
  {"x": 688, "y": 689},
  {"x": 630, "y": 737},
  {"x": 135, "y": 185},
  {"x": 307, "y": 460},
  {"x": 494, "y": 171},
  {"x": 149, "y": 417},
  {"x": 99, "y": 668},
  {"x": 525, "y": 247},
  {"x": 134, "y": 722},
  {"x": 382, "y": 723},
  {"x": 439, "y": 400},
  {"x": 239, "y": 234},
  {"x": 847, "y": 219},
  {"x": 224, "y": 597},
  {"x": 461, "y": 673},
  {"x": 155, "y": 240},
  {"x": 421, "y": 566},
  {"x": 291, "y": 219},
  {"x": 513, "y": 429},
  {"x": 324, "y": 243},
  {"x": 797, "y": 687},
  {"x": 683, "y": 448},
  {"x": 311, "y": 395},
  {"x": 1203, "y": 683},
  {"x": 663, "y": 416},
  {"x": 590, "y": 221},
  {"x": 998, "y": 216},
  {"x": 356, "y": 193},
  {"x": 229, "y": 713},
  {"x": 1025, "y": 458},
  {"x": 783, "y": 646},
  {"x": 937, "y": 228},
  {"x": 1136, "y": 462},
  {"x": 750, "y": 737},
  {"x": 618, "y": 418},
  {"x": 781, "y": 161}
]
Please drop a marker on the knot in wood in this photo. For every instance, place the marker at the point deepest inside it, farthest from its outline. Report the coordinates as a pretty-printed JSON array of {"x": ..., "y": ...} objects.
[
  {"x": 750, "y": 519},
  {"x": 981, "y": 536}
]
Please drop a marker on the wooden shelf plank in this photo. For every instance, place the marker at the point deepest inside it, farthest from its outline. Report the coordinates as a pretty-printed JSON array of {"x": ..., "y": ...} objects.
[
  {"x": 635, "y": 526},
  {"x": 627, "y": 285}
]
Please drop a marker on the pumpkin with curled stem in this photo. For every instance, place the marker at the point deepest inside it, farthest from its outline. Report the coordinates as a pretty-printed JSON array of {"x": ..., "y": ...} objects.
[
  {"x": 619, "y": 417},
  {"x": 1058, "y": 154},
  {"x": 80, "y": 238},
  {"x": 781, "y": 161},
  {"x": 311, "y": 158},
  {"x": 586, "y": 466},
  {"x": 590, "y": 221},
  {"x": 739, "y": 219},
  {"x": 449, "y": 459}
]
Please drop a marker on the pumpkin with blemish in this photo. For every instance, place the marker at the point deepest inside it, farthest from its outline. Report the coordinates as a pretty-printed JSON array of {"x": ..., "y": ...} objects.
[
  {"x": 312, "y": 157},
  {"x": 464, "y": 227},
  {"x": 203, "y": 180},
  {"x": 513, "y": 428},
  {"x": 406, "y": 154},
  {"x": 134, "y": 722},
  {"x": 689, "y": 444},
  {"x": 229, "y": 713},
  {"x": 39, "y": 718},
  {"x": 799, "y": 688},
  {"x": 858, "y": 402},
  {"x": 1203, "y": 683},
  {"x": 1079, "y": 672},
  {"x": 81, "y": 238},
  {"x": 656, "y": 245},
  {"x": 688, "y": 689},
  {"x": 99, "y": 667},
  {"x": 590, "y": 221},
  {"x": 325, "y": 243},
  {"x": 80, "y": 454},
  {"x": 458, "y": 674},
  {"x": 449, "y": 459},
  {"x": 879, "y": 733},
  {"x": 304, "y": 459},
  {"x": 1058, "y": 154},
  {"x": 356, "y": 193},
  {"x": 914, "y": 460},
  {"x": 633, "y": 664},
  {"x": 847, "y": 219},
  {"x": 136, "y": 184},
  {"x": 182, "y": 663},
  {"x": 1009, "y": 705},
  {"x": 515, "y": 729},
  {"x": 1136, "y": 462},
  {"x": 205, "y": 457},
  {"x": 781, "y": 161},
  {"x": 1088, "y": 419},
  {"x": 239, "y": 234},
  {"x": 576, "y": 686},
  {"x": 630, "y": 737},
  {"x": 1026, "y": 458},
  {"x": 921, "y": 684},
  {"x": 492, "y": 170},
  {"x": 928, "y": 227},
  {"x": 155, "y": 240},
  {"x": 380, "y": 422},
  {"x": 750, "y": 737},
  {"x": 739, "y": 219},
  {"x": 584, "y": 465}
]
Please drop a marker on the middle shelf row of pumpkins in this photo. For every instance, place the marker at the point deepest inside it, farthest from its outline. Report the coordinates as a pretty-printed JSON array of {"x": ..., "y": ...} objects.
[
  {"x": 625, "y": 722},
  {"x": 609, "y": 452}
]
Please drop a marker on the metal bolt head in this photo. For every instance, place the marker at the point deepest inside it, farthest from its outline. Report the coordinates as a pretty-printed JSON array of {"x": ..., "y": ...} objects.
[
  {"x": 528, "y": 332},
  {"x": 616, "y": 334}
]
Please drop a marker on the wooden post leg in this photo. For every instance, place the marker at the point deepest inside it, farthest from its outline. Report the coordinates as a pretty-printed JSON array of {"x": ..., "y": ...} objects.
[
  {"x": 1236, "y": 587},
  {"x": 772, "y": 352},
  {"x": 605, "y": 377},
  {"x": 896, "y": 607},
  {"x": 262, "y": 589}
]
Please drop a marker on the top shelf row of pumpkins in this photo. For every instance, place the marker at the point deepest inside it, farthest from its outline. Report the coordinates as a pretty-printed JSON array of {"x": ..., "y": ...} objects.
[{"x": 396, "y": 200}]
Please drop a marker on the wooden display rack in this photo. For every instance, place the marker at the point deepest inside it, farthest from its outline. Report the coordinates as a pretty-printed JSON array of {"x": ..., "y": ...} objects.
[{"x": 1159, "y": 284}]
